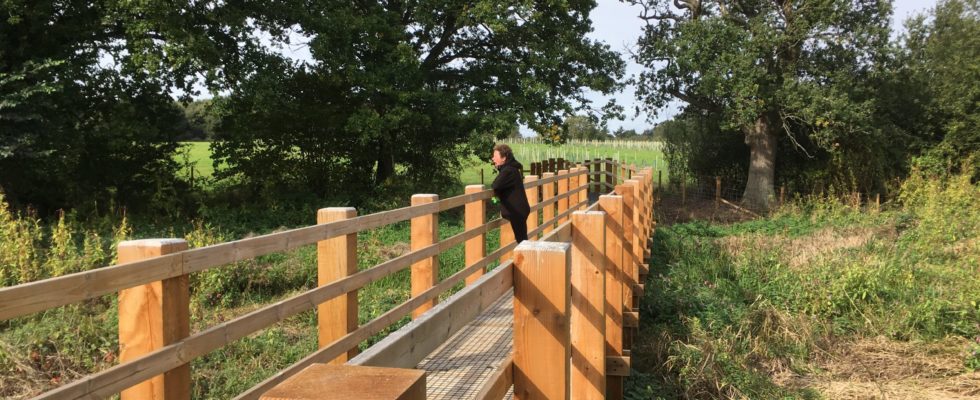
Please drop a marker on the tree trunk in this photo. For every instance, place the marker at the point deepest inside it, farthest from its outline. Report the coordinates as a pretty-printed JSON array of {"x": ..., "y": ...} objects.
[
  {"x": 760, "y": 187},
  {"x": 386, "y": 165}
]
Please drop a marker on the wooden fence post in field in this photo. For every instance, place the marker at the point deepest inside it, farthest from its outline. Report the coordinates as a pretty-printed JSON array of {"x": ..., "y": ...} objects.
[
  {"x": 548, "y": 212},
  {"x": 425, "y": 232},
  {"x": 588, "y": 313},
  {"x": 782, "y": 195},
  {"x": 562, "y": 189},
  {"x": 638, "y": 241},
  {"x": 612, "y": 205},
  {"x": 660, "y": 178},
  {"x": 476, "y": 247},
  {"x": 336, "y": 259},
  {"x": 541, "y": 333},
  {"x": 532, "y": 200},
  {"x": 152, "y": 316}
]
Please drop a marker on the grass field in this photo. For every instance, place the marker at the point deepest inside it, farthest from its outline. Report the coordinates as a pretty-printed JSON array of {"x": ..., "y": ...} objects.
[{"x": 198, "y": 155}]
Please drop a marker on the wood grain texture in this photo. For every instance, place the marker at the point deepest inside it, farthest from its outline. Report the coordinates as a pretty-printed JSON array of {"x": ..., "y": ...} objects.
[
  {"x": 343, "y": 382},
  {"x": 475, "y": 214},
  {"x": 152, "y": 316},
  {"x": 541, "y": 336},
  {"x": 336, "y": 259},
  {"x": 425, "y": 232},
  {"x": 588, "y": 314}
]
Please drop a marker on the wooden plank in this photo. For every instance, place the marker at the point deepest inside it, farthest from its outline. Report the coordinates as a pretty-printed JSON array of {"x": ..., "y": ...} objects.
[
  {"x": 406, "y": 347},
  {"x": 588, "y": 314},
  {"x": 562, "y": 189},
  {"x": 152, "y": 316},
  {"x": 532, "y": 200},
  {"x": 37, "y": 296},
  {"x": 498, "y": 383},
  {"x": 367, "y": 330},
  {"x": 629, "y": 261},
  {"x": 425, "y": 232},
  {"x": 613, "y": 207},
  {"x": 475, "y": 248},
  {"x": 547, "y": 193},
  {"x": 119, "y": 377},
  {"x": 342, "y": 382},
  {"x": 336, "y": 259},
  {"x": 618, "y": 365},
  {"x": 541, "y": 336}
]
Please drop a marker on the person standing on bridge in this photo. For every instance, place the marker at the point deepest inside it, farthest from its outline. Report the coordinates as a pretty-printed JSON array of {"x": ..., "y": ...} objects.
[{"x": 509, "y": 188}]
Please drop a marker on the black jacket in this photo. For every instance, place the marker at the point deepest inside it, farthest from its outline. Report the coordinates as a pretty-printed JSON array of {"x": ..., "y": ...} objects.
[{"x": 509, "y": 188}]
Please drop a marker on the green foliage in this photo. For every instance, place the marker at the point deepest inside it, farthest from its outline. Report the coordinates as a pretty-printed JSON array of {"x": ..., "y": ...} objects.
[
  {"x": 398, "y": 93},
  {"x": 584, "y": 128},
  {"x": 728, "y": 306},
  {"x": 940, "y": 57}
]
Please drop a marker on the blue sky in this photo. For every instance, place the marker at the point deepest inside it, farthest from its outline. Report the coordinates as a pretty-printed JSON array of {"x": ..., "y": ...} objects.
[{"x": 617, "y": 24}]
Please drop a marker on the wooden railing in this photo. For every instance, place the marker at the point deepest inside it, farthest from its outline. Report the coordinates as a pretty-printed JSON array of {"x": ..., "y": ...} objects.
[{"x": 156, "y": 346}]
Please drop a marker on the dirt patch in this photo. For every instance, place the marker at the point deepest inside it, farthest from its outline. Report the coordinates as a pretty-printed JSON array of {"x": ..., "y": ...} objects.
[
  {"x": 671, "y": 210},
  {"x": 880, "y": 368},
  {"x": 802, "y": 250}
]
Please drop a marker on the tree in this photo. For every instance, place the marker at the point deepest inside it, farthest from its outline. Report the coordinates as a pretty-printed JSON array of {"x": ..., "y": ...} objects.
[
  {"x": 940, "y": 56},
  {"x": 582, "y": 127},
  {"x": 84, "y": 114},
  {"x": 625, "y": 134},
  {"x": 774, "y": 70},
  {"x": 403, "y": 89}
]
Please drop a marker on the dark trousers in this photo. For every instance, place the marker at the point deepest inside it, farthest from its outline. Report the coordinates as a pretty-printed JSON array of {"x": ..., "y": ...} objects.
[{"x": 519, "y": 225}]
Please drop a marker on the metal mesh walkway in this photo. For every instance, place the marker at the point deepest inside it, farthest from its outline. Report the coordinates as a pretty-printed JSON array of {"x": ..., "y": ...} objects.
[{"x": 460, "y": 367}]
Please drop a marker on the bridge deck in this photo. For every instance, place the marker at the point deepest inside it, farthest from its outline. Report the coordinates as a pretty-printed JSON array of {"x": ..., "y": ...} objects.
[{"x": 461, "y": 366}]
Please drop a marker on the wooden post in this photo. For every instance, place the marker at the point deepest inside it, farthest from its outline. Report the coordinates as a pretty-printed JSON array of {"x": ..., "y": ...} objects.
[
  {"x": 152, "y": 316},
  {"x": 626, "y": 191},
  {"x": 336, "y": 259},
  {"x": 583, "y": 182},
  {"x": 532, "y": 200},
  {"x": 476, "y": 247},
  {"x": 717, "y": 192},
  {"x": 596, "y": 177},
  {"x": 552, "y": 164},
  {"x": 481, "y": 175},
  {"x": 562, "y": 189},
  {"x": 425, "y": 232},
  {"x": 506, "y": 237},
  {"x": 660, "y": 178},
  {"x": 548, "y": 212},
  {"x": 609, "y": 170},
  {"x": 342, "y": 382},
  {"x": 588, "y": 313},
  {"x": 613, "y": 207},
  {"x": 877, "y": 201},
  {"x": 541, "y": 334},
  {"x": 782, "y": 195}
]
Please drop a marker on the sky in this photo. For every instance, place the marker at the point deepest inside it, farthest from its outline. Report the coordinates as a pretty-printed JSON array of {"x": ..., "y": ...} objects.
[{"x": 618, "y": 25}]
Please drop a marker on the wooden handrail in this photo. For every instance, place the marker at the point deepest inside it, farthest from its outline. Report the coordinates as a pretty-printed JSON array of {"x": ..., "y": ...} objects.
[
  {"x": 20, "y": 300},
  {"x": 37, "y": 296}
]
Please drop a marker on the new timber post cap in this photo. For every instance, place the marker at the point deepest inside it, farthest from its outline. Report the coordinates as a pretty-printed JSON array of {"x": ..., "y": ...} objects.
[{"x": 168, "y": 242}]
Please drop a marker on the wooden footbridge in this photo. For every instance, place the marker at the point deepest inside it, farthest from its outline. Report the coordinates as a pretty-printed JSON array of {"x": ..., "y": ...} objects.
[{"x": 554, "y": 320}]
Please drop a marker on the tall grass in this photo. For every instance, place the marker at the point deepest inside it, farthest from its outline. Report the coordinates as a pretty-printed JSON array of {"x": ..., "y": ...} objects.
[{"x": 728, "y": 308}]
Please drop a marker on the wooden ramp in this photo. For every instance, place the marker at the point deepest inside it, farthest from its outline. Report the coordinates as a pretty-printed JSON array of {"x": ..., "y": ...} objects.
[{"x": 460, "y": 367}]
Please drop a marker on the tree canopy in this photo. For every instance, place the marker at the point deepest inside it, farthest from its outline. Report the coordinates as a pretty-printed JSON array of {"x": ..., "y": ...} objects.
[{"x": 772, "y": 71}]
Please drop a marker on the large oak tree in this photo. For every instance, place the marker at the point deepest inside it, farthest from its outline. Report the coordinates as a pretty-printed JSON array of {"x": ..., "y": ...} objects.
[{"x": 793, "y": 70}]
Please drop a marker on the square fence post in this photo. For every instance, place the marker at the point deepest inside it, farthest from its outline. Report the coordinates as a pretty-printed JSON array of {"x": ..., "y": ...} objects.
[
  {"x": 336, "y": 259},
  {"x": 476, "y": 247},
  {"x": 425, "y": 232},
  {"x": 152, "y": 316},
  {"x": 588, "y": 313}
]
